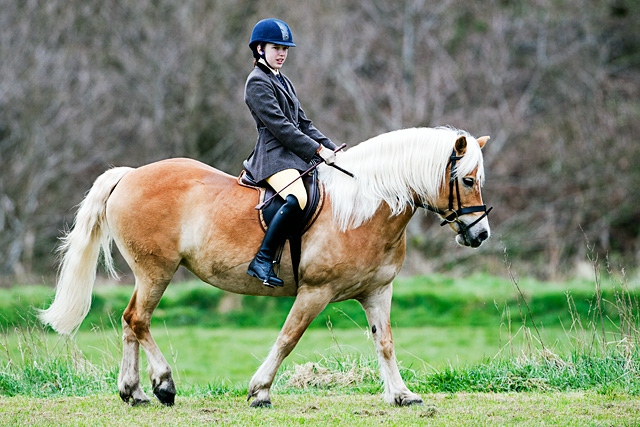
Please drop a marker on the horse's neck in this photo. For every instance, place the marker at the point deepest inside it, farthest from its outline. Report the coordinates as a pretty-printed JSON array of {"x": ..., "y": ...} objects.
[
  {"x": 357, "y": 200},
  {"x": 395, "y": 224}
]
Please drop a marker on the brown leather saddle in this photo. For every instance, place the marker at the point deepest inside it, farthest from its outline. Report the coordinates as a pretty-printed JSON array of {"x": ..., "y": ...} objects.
[{"x": 315, "y": 193}]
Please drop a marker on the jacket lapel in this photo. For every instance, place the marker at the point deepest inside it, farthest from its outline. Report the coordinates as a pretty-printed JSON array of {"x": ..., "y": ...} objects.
[
  {"x": 279, "y": 86},
  {"x": 294, "y": 102}
]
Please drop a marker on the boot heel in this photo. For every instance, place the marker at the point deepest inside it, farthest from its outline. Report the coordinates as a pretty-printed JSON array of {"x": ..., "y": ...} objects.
[{"x": 266, "y": 276}]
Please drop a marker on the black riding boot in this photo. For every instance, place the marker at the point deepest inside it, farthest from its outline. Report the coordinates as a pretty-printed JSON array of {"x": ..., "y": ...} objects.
[{"x": 286, "y": 221}]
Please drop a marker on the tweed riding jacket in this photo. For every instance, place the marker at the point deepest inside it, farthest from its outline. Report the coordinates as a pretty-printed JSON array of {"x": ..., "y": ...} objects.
[{"x": 287, "y": 139}]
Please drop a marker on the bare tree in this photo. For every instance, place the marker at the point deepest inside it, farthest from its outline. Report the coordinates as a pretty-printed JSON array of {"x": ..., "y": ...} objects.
[{"x": 89, "y": 84}]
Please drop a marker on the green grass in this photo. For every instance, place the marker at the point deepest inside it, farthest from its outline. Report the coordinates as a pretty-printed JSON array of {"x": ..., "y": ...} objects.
[
  {"x": 36, "y": 364},
  {"x": 434, "y": 300},
  {"x": 580, "y": 359},
  {"x": 329, "y": 409},
  {"x": 201, "y": 355}
]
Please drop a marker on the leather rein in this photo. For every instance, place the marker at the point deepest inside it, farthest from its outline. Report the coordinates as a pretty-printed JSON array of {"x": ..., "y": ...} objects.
[{"x": 453, "y": 215}]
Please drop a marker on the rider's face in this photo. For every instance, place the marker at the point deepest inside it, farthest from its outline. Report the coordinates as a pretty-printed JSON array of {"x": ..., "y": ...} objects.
[{"x": 275, "y": 55}]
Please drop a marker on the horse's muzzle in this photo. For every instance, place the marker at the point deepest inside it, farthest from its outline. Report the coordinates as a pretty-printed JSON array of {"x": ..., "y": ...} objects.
[{"x": 473, "y": 236}]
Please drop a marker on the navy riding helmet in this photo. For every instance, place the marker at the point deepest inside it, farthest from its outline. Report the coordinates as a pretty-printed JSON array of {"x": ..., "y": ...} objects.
[{"x": 271, "y": 31}]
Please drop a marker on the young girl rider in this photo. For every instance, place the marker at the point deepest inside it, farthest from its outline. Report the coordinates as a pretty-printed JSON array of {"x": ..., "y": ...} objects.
[{"x": 287, "y": 140}]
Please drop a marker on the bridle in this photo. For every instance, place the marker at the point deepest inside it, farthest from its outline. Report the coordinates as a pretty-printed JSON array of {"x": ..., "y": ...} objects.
[{"x": 453, "y": 215}]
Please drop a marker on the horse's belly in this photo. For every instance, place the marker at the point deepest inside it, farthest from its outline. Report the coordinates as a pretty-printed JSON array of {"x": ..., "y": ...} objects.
[{"x": 227, "y": 270}]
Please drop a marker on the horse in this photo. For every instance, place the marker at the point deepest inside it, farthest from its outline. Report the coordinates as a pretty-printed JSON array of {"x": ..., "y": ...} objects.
[{"x": 181, "y": 212}]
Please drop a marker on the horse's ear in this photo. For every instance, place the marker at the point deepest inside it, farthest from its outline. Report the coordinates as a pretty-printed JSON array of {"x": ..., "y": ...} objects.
[
  {"x": 461, "y": 145},
  {"x": 483, "y": 140}
]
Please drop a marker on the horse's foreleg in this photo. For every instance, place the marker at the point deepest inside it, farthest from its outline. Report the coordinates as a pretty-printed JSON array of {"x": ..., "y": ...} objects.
[
  {"x": 377, "y": 306},
  {"x": 308, "y": 304},
  {"x": 137, "y": 317}
]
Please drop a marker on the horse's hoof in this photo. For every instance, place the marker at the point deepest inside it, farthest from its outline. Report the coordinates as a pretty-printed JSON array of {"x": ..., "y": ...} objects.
[
  {"x": 139, "y": 402},
  {"x": 133, "y": 401},
  {"x": 261, "y": 404},
  {"x": 409, "y": 401},
  {"x": 166, "y": 393},
  {"x": 134, "y": 398},
  {"x": 165, "y": 397}
]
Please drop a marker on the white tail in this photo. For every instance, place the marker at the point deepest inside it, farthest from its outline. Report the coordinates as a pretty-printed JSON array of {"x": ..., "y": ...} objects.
[{"x": 80, "y": 250}]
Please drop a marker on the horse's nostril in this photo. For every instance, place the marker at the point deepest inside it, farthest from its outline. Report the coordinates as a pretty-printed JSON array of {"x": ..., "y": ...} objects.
[{"x": 483, "y": 236}]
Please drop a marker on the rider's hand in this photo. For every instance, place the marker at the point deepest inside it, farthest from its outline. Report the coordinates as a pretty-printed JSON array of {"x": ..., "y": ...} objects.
[{"x": 327, "y": 155}]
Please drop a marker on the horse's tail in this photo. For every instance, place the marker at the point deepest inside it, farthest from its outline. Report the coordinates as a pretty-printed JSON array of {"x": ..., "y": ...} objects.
[{"x": 80, "y": 249}]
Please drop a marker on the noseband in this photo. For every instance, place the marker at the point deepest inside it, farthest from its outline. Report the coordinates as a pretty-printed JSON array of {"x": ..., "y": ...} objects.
[{"x": 453, "y": 215}]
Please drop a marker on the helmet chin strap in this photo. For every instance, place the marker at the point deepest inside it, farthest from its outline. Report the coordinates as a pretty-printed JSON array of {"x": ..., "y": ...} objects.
[{"x": 263, "y": 59}]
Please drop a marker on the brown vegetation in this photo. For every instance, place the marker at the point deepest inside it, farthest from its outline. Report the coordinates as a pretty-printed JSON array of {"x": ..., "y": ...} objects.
[{"x": 89, "y": 84}]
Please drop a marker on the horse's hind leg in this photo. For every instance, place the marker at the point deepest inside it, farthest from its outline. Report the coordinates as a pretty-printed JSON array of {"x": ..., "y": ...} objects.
[
  {"x": 377, "y": 306},
  {"x": 136, "y": 320},
  {"x": 129, "y": 378}
]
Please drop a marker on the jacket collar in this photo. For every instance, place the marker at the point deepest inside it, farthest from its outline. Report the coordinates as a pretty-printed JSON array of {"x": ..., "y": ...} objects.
[{"x": 271, "y": 75}]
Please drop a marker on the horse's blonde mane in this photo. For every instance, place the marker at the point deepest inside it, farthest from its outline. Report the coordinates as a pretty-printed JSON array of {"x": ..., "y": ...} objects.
[{"x": 393, "y": 168}]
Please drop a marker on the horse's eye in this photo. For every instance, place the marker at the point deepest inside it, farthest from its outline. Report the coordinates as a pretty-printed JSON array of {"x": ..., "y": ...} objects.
[{"x": 468, "y": 181}]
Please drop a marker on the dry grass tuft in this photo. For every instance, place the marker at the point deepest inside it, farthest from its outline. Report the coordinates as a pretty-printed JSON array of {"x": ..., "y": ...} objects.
[{"x": 315, "y": 375}]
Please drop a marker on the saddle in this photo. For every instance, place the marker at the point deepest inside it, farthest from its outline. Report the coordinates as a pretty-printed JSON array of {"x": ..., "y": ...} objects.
[{"x": 315, "y": 193}]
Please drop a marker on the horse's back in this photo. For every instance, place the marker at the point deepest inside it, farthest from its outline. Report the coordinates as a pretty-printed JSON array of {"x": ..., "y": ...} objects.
[
  {"x": 169, "y": 181},
  {"x": 184, "y": 211},
  {"x": 178, "y": 170}
]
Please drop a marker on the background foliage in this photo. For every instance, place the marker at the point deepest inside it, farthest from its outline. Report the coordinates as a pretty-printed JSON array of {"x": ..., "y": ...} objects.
[
  {"x": 89, "y": 84},
  {"x": 419, "y": 301}
]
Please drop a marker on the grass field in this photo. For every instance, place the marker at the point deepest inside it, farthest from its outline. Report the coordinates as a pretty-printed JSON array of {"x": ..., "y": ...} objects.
[
  {"x": 435, "y": 300},
  {"x": 329, "y": 409},
  {"x": 201, "y": 355},
  {"x": 467, "y": 346},
  {"x": 438, "y": 321}
]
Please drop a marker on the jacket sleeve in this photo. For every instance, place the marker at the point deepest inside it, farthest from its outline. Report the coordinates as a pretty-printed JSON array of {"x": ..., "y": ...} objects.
[{"x": 261, "y": 98}]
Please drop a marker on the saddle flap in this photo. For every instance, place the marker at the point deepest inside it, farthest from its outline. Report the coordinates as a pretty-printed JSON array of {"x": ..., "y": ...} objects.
[{"x": 315, "y": 192}]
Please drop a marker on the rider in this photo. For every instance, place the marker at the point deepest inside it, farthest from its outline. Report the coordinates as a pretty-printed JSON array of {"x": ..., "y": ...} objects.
[{"x": 287, "y": 140}]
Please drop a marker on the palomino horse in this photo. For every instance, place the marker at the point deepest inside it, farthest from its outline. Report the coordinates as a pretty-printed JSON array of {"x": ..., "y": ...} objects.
[{"x": 182, "y": 212}]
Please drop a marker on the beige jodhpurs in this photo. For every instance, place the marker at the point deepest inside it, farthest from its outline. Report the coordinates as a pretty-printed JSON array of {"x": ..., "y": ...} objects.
[{"x": 280, "y": 179}]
